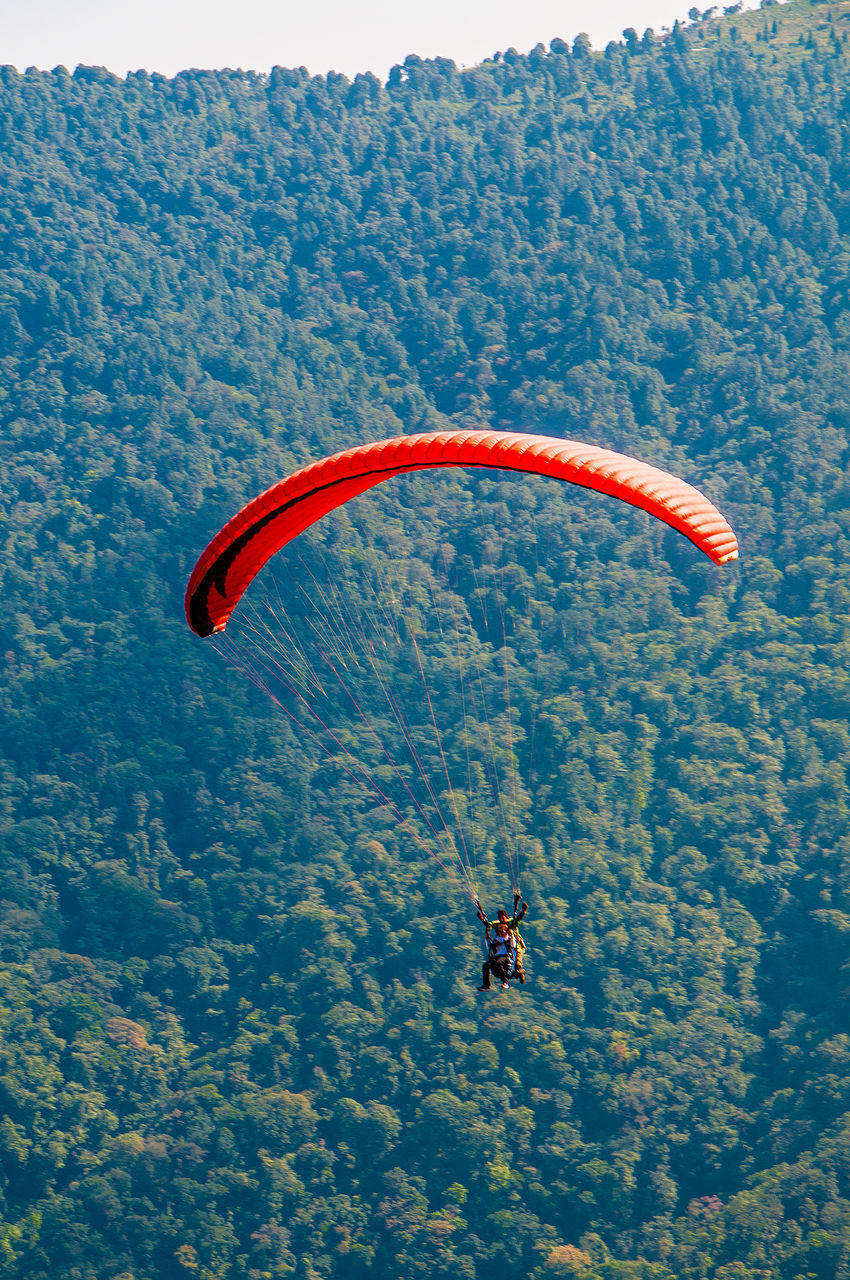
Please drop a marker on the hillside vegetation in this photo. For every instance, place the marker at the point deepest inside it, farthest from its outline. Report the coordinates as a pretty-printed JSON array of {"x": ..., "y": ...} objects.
[{"x": 239, "y": 1031}]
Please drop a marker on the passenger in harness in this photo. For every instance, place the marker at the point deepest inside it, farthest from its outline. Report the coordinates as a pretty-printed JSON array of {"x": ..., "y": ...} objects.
[
  {"x": 513, "y": 928},
  {"x": 501, "y": 956}
]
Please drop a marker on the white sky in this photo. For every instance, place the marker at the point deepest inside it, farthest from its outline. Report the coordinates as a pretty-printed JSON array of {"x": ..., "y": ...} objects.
[{"x": 340, "y": 35}]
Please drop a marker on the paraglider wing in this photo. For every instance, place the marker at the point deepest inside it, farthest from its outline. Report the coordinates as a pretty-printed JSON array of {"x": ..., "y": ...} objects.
[{"x": 238, "y": 552}]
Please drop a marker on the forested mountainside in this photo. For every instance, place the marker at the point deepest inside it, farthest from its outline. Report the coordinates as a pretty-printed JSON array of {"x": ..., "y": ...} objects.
[{"x": 239, "y": 1031}]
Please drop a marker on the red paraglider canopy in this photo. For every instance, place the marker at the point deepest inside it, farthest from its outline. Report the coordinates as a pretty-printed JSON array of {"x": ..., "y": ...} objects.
[{"x": 238, "y": 552}]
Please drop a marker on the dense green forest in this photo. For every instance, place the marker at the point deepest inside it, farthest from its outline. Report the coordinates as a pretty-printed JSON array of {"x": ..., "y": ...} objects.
[{"x": 239, "y": 1030}]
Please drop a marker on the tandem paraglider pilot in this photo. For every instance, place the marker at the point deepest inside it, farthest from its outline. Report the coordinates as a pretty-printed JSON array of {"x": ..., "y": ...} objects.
[{"x": 504, "y": 946}]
